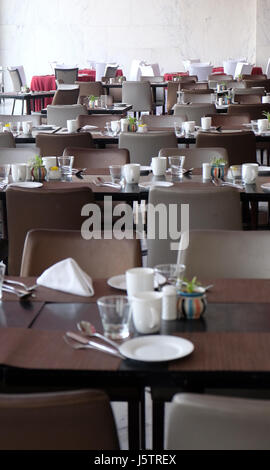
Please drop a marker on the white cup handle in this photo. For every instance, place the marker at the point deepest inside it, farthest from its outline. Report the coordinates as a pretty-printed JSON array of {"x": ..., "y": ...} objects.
[{"x": 154, "y": 318}]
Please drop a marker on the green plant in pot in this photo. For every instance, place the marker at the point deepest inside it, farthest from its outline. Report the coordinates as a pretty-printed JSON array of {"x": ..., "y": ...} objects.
[
  {"x": 193, "y": 300},
  {"x": 132, "y": 124},
  {"x": 92, "y": 100},
  {"x": 38, "y": 170},
  {"x": 267, "y": 115},
  {"x": 218, "y": 167}
]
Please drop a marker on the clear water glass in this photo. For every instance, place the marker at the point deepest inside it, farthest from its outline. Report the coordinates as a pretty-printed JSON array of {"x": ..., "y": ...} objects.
[
  {"x": 115, "y": 313},
  {"x": 176, "y": 164},
  {"x": 2, "y": 276},
  {"x": 4, "y": 173},
  {"x": 116, "y": 173},
  {"x": 65, "y": 164},
  {"x": 169, "y": 274},
  {"x": 178, "y": 129}
]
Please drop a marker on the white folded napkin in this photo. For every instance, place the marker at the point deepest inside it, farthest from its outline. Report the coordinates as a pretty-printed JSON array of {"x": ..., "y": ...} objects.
[{"x": 67, "y": 276}]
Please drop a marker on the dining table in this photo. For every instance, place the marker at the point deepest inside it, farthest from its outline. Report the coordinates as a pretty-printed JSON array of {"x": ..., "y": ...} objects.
[
  {"x": 31, "y": 99},
  {"x": 231, "y": 349}
]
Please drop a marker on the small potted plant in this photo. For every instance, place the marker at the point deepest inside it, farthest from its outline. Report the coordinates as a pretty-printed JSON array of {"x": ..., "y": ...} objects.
[
  {"x": 38, "y": 170},
  {"x": 92, "y": 99},
  {"x": 218, "y": 167},
  {"x": 193, "y": 300},
  {"x": 240, "y": 78},
  {"x": 132, "y": 124},
  {"x": 267, "y": 115}
]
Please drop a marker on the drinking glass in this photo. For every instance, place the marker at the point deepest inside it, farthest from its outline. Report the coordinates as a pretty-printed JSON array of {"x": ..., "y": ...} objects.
[
  {"x": 169, "y": 274},
  {"x": 115, "y": 313},
  {"x": 65, "y": 164},
  {"x": 176, "y": 164},
  {"x": 4, "y": 173},
  {"x": 116, "y": 173},
  {"x": 2, "y": 276},
  {"x": 178, "y": 129}
]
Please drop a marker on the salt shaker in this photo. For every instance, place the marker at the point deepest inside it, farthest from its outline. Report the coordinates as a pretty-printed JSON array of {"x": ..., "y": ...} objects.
[{"x": 169, "y": 303}]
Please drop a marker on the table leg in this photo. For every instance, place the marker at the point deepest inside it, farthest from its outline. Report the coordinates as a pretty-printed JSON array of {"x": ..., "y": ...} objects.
[
  {"x": 158, "y": 410},
  {"x": 134, "y": 425},
  {"x": 28, "y": 105},
  {"x": 254, "y": 215}
]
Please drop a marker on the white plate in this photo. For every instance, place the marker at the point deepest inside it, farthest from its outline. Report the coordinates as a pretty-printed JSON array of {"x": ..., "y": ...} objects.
[
  {"x": 264, "y": 169},
  {"x": 27, "y": 184},
  {"x": 266, "y": 186},
  {"x": 119, "y": 282},
  {"x": 88, "y": 127},
  {"x": 160, "y": 184},
  {"x": 44, "y": 127},
  {"x": 157, "y": 348}
]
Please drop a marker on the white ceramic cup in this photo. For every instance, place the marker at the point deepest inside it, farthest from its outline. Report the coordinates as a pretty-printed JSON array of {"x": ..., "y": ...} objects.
[
  {"x": 27, "y": 127},
  {"x": 250, "y": 172},
  {"x": 48, "y": 162},
  {"x": 262, "y": 125},
  {"x": 124, "y": 125},
  {"x": 18, "y": 172},
  {"x": 189, "y": 126},
  {"x": 220, "y": 101},
  {"x": 146, "y": 312},
  {"x": 159, "y": 166},
  {"x": 265, "y": 99},
  {"x": 206, "y": 171},
  {"x": 206, "y": 123},
  {"x": 139, "y": 280},
  {"x": 132, "y": 173},
  {"x": 72, "y": 126},
  {"x": 115, "y": 126}
]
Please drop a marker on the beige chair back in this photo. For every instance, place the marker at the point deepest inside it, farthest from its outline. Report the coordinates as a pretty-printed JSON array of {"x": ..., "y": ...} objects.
[
  {"x": 67, "y": 76},
  {"x": 55, "y": 144},
  {"x": 229, "y": 121},
  {"x": 195, "y": 157},
  {"x": 194, "y": 112},
  {"x": 7, "y": 140},
  {"x": 255, "y": 111},
  {"x": 154, "y": 122},
  {"x": 139, "y": 94},
  {"x": 59, "y": 115},
  {"x": 66, "y": 97},
  {"x": 97, "y": 158},
  {"x": 143, "y": 147}
]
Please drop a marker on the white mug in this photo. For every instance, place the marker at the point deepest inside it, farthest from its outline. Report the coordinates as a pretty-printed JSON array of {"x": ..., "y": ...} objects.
[
  {"x": 189, "y": 126},
  {"x": 124, "y": 125},
  {"x": 139, "y": 280},
  {"x": 48, "y": 162},
  {"x": 159, "y": 166},
  {"x": 206, "y": 123},
  {"x": 115, "y": 126},
  {"x": 18, "y": 172},
  {"x": 72, "y": 126},
  {"x": 132, "y": 173},
  {"x": 250, "y": 172},
  {"x": 27, "y": 127},
  {"x": 146, "y": 312},
  {"x": 262, "y": 125},
  {"x": 220, "y": 101},
  {"x": 206, "y": 171},
  {"x": 265, "y": 99}
]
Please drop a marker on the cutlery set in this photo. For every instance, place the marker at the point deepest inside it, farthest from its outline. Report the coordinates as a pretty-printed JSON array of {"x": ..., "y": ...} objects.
[
  {"x": 19, "y": 289},
  {"x": 222, "y": 183}
]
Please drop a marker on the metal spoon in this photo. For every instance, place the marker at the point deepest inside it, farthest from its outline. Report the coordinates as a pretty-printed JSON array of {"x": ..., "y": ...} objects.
[
  {"x": 17, "y": 283},
  {"x": 19, "y": 293},
  {"x": 78, "y": 342},
  {"x": 88, "y": 329}
]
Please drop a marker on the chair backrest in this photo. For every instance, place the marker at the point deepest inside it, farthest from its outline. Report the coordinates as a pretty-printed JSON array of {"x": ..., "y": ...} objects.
[
  {"x": 204, "y": 257},
  {"x": 41, "y": 208},
  {"x": 66, "y": 97},
  {"x": 247, "y": 98},
  {"x": 17, "y": 155},
  {"x": 110, "y": 71},
  {"x": 35, "y": 118},
  {"x": 220, "y": 77},
  {"x": 55, "y": 144},
  {"x": 138, "y": 94},
  {"x": 7, "y": 140},
  {"x": 195, "y": 157},
  {"x": 229, "y": 121},
  {"x": 249, "y": 91},
  {"x": 143, "y": 147},
  {"x": 254, "y": 77},
  {"x": 72, "y": 420},
  {"x": 69, "y": 76},
  {"x": 241, "y": 146},
  {"x": 90, "y": 89},
  {"x": 221, "y": 423},
  {"x": 209, "y": 208},
  {"x": 99, "y": 258},
  {"x": 202, "y": 71},
  {"x": 192, "y": 85},
  {"x": 197, "y": 96},
  {"x": 98, "y": 120},
  {"x": 58, "y": 115},
  {"x": 154, "y": 122},
  {"x": 257, "y": 83},
  {"x": 98, "y": 158},
  {"x": 194, "y": 112},
  {"x": 173, "y": 88},
  {"x": 242, "y": 68},
  {"x": 16, "y": 79},
  {"x": 255, "y": 111}
]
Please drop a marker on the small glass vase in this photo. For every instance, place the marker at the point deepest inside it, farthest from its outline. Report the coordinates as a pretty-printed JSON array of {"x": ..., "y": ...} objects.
[
  {"x": 218, "y": 171},
  {"x": 39, "y": 173}
]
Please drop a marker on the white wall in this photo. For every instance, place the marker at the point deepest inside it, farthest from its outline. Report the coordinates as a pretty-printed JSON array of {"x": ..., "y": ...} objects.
[
  {"x": 34, "y": 32},
  {"x": 263, "y": 32}
]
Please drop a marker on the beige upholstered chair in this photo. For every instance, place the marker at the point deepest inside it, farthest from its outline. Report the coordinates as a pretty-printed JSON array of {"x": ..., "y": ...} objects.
[
  {"x": 98, "y": 120},
  {"x": 194, "y": 112},
  {"x": 101, "y": 259},
  {"x": 204, "y": 257},
  {"x": 159, "y": 92},
  {"x": 97, "y": 158},
  {"x": 197, "y": 96},
  {"x": 16, "y": 83},
  {"x": 67, "y": 76},
  {"x": 257, "y": 83},
  {"x": 139, "y": 94},
  {"x": 58, "y": 115},
  {"x": 55, "y": 144},
  {"x": 7, "y": 140},
  {"x": 73, "y": 420},
  {"x": 172, "y": 89},
  {"x": 241, "y": 146},
  {"x": 207, "y": 422},
  {"x": 89, "y": 89},
  {"x": 143, "y": 147},
  {"x": 229, "y": 121},
  {"x": 66, "y": 97},
  {"x": 255, "y": 111},
  {"x": 160, "y": 122},
  {"x": 208, "y": 208},
  {"x": 195, "y": 157}
]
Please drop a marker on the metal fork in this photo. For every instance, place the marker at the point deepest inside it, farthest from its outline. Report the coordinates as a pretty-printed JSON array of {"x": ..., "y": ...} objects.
[
  {"x": 17, "y": 283},
  {"x": 90, "y": 345},
  {"x": 19, "y": 293}
]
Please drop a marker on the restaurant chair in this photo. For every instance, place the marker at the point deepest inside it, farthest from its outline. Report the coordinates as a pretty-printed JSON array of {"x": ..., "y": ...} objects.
[
  {"x": 34, "y": 118},
  {"x": 17, "y": 155},
  {"x": 188, "y": 78},
  {"x": 255, "y": 111},
  {"x": 98, "y": 120},
  {"x": 99, "y": 258},
  {"x": 192, "y": 85},
  {"x": 195, "y": 157},
  {"x": 208, "y": 208},
  {"x": 247, "y": 98},
  {"x": 219, "y": 77},
  {"x": 110, "y": 70},
  {"x": 156, "y": 122},
  {"x": 97, "y": 158},
  {"x": 58, "y": 115},
  {"x": 197, "y": 96},
  {"x": 257, "y": 83},
  {"x": 159, "y": 92},
  {"x": 202, "y": 70},
  {"x": 240, "y": 145},
  {"x": 195, "y": 112},
  {"x": 66, "y": 97},
  {"x": 17, "y": 84},
  {"x": 51, "y": 144},
  {"x": 254, "y": 77},
  {"x": 68, "y": 76},
  {"x": 139, "y": 94},
  {"x": 69, "y": 420},
  {"x": 244, "y": 254},
  {"x": 229, "y": 121},
  {"x": 242, "y": 68},
  {"x": 58, "y": 208},
  {"x": 7, "y": 140},
  {"x": 207, "y": 422},
  {"x": 89, "y": 89},
  {"x": 172, "y": 89},
  {"x": 143, "y": 147}
]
